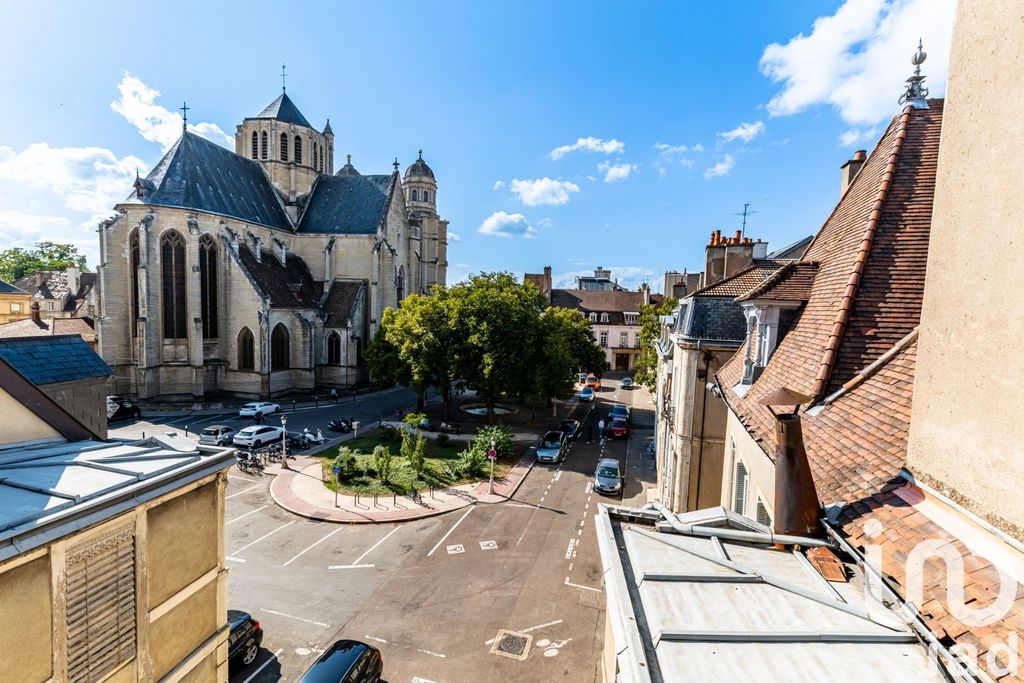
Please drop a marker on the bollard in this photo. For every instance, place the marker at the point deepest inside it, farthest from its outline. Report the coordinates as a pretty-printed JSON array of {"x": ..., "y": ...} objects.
[
  {"x": 394, "y": 499},
  {"x": 186, "y": 431},
  {"x": 293, "y": 405},
  {"x": 316, "y": 401},
  {"x": 431, "y": 491}
]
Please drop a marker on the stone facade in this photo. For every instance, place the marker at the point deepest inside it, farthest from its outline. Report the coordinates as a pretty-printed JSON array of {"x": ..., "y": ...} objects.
[{"x": 300, "y": 244}]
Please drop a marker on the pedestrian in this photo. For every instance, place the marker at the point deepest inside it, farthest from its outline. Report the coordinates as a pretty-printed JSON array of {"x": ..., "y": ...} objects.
[
  {"x": 600, "y": 429},
  {"x": 334, "y": 395}
]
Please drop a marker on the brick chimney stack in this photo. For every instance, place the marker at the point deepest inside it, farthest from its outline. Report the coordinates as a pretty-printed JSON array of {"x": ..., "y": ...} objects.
[
  {"x": 850, "y": 168},
  {"x": 33, "y": 312}
]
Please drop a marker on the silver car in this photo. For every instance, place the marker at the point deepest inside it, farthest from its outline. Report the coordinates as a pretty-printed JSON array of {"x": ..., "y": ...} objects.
[
  {"x": 608, "y": 477},
  {"x": 217, "y": 435},
  {"x": 551, "y": 447}
]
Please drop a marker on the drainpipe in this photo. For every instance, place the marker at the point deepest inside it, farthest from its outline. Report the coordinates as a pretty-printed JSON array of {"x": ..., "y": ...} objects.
[{"x": 708, "y": 357}]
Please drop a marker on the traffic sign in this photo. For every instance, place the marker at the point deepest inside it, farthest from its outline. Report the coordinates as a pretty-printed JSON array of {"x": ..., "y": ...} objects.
[
  {"x": 337, "y": 470},
  {"x": 492, "y": 454}
]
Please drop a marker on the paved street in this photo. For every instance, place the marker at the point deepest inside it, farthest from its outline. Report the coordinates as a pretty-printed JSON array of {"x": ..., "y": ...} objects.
[{"x": 434, "y": 594}]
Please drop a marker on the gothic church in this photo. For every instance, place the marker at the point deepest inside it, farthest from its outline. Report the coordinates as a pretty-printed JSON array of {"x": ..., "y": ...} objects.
[{"x": 260, "y": 272}]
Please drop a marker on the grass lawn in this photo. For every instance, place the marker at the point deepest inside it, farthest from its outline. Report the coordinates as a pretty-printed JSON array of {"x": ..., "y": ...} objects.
[{"x": 435, "y": 471}]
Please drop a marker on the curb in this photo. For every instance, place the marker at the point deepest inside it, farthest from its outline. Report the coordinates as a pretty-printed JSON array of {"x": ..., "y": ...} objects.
[{"x": 505, "y": 499}]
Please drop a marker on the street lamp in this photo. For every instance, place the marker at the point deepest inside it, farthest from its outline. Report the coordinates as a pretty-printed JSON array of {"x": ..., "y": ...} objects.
[
  {"x": 493, "y": 455},
  {"x": 284, "y": 442}
]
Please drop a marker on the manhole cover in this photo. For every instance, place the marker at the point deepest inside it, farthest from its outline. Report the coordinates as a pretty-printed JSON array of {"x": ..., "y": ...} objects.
[{"x": 511, "y": 644}]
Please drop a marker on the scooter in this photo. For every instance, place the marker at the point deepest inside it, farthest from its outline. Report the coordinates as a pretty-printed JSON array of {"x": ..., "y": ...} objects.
[
  {"x": 340, "y": 425},
  {"x": 450, "y": 427},
  {"x": 312, "y": 439}
]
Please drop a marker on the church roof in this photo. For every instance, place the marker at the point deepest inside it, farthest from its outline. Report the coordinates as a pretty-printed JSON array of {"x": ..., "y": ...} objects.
[
  {"x": 347, "y": 205},
  {"x": 283, "y": 109},
  {"x": 287, "y": 285},
  {"x": 419, "y": 168},
  {"x": 341, "y": 301},
  {"x": 199, "y": 174}
]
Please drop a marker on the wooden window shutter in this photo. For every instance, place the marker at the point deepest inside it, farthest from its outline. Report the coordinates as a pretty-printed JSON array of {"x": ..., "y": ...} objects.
[
  {"x": 762, "y": 514},
  {"x": 101, "y": 606},
  {"x": 740, "y": 489}
]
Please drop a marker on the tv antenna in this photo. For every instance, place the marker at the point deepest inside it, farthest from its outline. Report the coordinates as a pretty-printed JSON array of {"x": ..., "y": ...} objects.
[{"x": 746, "y": 213}]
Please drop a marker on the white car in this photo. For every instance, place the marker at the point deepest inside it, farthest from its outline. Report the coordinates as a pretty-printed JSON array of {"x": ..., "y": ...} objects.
[
  {"x": 254, "y": 409},
  {"x": 257, "y": 436}
]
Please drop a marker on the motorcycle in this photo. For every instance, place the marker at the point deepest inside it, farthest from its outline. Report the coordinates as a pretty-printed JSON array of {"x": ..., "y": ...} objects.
[
  {"x": 450, "y": 427},
  {"x": 340, "y": 425},
  {"x": 313, "y": 439}
]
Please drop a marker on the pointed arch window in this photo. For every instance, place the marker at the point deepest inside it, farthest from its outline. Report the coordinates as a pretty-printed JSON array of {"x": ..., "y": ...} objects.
[
  {"x": 208, "y": 285},
  {"x": 255, "y": 145},
  {"x": 334, "y": 349},
  {"x": 284, "y": 146},
  {"x": 263, "y": 146},
  {"x": 298, "y": 149},
  {"x": 279, "y": 351},
  {"x": 172, "y": 271},
  {"x": 246, "y": 350},
  {"x": 133, "y": 246}
]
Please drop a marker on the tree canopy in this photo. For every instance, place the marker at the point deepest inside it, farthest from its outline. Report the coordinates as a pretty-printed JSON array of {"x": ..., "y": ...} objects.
[
  {"x": 18, "y": 262},
  {"x": 491, "y": 334},
  {"x": 650, "y": 330}
]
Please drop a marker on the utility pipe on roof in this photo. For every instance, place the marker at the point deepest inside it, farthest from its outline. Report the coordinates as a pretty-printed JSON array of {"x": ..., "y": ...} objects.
[{"x": 735, "y": 534}]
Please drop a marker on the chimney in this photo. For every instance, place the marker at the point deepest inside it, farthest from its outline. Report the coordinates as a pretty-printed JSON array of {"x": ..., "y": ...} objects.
[
  {"x": 850, "y": 168},
  {"x": 714, "y": 259},
  {"x": 645, "y": 291},
  {"x": 74, "y": 276},
  {"x": 797, "y": 509},
  {"x": 546, "y": 290},
  {"x": 40, "y": 278},
  {"x": 760, "y": 249},
  {"x": 33, "y": 312}
]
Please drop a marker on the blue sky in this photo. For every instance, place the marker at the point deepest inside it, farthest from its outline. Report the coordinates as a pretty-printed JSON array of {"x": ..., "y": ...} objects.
[{"x": 570, "y": 135}]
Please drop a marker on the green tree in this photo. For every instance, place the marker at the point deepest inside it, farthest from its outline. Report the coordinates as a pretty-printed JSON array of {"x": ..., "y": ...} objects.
[
  {"x": 17, "y": 262},
  {"x": 500, "y": 436},
  {"x": 382, "y": 460},
  {"x": 650, "y": 330},
  {"x": 385, "y": 359},
  {"x": 346, "y": 462},
  {"x": 419, "y": 456}
]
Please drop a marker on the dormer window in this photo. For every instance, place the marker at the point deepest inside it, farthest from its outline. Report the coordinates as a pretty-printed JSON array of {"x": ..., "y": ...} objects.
[
  {"x": 604, "y": 317},
  {"x": 631, "y": 318},
  {"x": 593, "y": 317}
]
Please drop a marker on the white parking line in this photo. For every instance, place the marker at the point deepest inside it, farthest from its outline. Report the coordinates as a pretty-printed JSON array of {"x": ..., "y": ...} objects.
[
  {"x": 289, "y": 616},
  {"x": 235, "y": 476},
  {"x": 256, "y": 673},
  {"x": 379, "y": 640},
  {"x": 438, "y": 544},
  {"x": 576, "y": 585},
  {"x": 532, "y": 628},
  {"x": 568, "y": 551},
  {"x": 589, "y": 485},
  {"x": 558, "y": 475},
  {"x": 232, "y": 521},
  {"x": 374, "y": 546},
  {"x": 243, "y": 491},
  {"x": 352, "y": 566},
  {"x": 432, "y": 654},
  {"x": 340, "y": 528},
  {"x": 233, "y": 559},
  {"x": 252, "y": 543}
]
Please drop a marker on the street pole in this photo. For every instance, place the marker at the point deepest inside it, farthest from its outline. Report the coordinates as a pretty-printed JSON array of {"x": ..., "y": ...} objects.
[
  {"x": 284, "y": 442},
  {"x": 493, "y": 455}
]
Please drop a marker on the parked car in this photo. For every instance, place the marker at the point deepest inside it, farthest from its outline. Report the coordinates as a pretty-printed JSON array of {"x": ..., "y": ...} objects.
[
  {"x": 217, "y": 435},
  {"x": 626, "y": 383},
  {"x": 619, "y": 410},
  {"x": 119, "y": 408},
  {"x": 347, "y": 661},
  {"x": 551, "y": 447},
  {"x": 581, "y": 378},
  {"x": 257, "y": 436},
  {"x": 254, "y": 409},
  {"x": 619, "y": 428},
  {"x": 244, "y": 638},
  {"x": 571, "y": 428},
  {"x": 593, "y": 381},
  {"x": 586, "y": 394},
  {"x": 608, "y": 477}
]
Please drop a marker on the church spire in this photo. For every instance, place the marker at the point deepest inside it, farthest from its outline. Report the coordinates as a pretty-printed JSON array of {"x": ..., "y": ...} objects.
[{"x": 916, "y": 92}]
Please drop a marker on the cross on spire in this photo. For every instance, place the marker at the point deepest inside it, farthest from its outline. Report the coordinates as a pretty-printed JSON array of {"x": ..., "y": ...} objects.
[
  {"x": 184, "y": 115},
  {"x": 283, "y": 75}
]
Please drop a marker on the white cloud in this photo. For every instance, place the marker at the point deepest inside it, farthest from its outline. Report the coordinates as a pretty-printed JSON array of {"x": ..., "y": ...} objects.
[
  {"x": 590, "y": 144},
  {"x": 721, "y": 168},
  {"x": 543, "y": 191},
  {"x": 630, "y": 277},
  {"x": 662, "y": 171},
  {"x": 504, "y": 224},
  {"x": 858, "y": 59},
  {"x": 616, "y": 172},
  {"x": 498, "y": 184},
  {"x": 669, "y": 151},
  {"x": 855, "y": 136},
  {"x": 138, "y": 105},
  {"x": 744, "y": 131},
  {"x": 19, "y": 229},
  {"x": 454, "y": 236},
  {"x": 545, "y": 223}
]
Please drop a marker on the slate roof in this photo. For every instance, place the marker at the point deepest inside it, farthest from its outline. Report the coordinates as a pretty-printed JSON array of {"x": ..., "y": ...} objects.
[
  {"x": 199, "y": 174},
  {"x": 712, "y": 318},
  {"x": 792, "y": 251},
  {"x": 54, "y": 284},
  {"x": 46, "y": 360},
  {"x": 743, "y": 281},
  {"x": 419, "y": 168},
  {"x": 792, "y": 282},
  {"x": 347, "y": 204},
  {"x": 47, "y": 327},
  {"x": 341, "y": 300},
  {"x": 287, "y": 285},
  {"x": 869, "y": 284},
  {"x": 614, "y": 303},
  {"x": 8, "y": 288},
  {"x": 283, "y": 109}
]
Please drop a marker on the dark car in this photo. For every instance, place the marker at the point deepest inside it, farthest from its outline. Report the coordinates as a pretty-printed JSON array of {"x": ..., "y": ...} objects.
[
  {"x": 619, "y": 428},
  {"x": 347, "y": 661},
  {"x": 619, "y": 410},
  {"x": 119, "y": 408},
  {"x": 244, "y": 639},
  {"x": 571, "y": 428}
]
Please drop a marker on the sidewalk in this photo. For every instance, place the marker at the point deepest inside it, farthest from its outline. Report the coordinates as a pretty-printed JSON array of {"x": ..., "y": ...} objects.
[
  {"x": 299, "y": 490},
  {"x": 151, "y": 409}
]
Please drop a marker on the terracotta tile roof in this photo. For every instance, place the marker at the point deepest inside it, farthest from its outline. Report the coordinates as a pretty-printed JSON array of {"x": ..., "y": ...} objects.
[
  {"x": 743, "y": 281},
  {"x": 614, "y": 303},
  {"x": 792, "y": 282}
]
